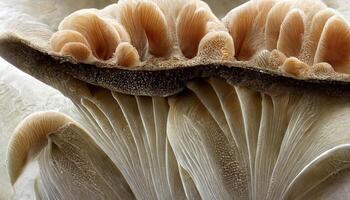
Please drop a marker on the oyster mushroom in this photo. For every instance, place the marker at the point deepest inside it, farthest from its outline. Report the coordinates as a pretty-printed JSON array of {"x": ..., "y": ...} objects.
[{"x": 185, "y": 105}]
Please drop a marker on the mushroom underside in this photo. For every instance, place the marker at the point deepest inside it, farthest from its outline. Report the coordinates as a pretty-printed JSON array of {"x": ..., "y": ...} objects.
[
  {"x": 209, "y": 137},
  {"x": 257, "y": 43},
  {"x": 154, "y": 81},
  {"x": 212, "y": 140},
  {"x": 196, "y": 129}
]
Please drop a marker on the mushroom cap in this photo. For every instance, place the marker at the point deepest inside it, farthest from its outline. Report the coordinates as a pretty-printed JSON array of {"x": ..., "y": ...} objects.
[
  {"x": 29, "y": 137},
  {"x": 66, "y": 156},
  {"x": 28, "y": 49}
]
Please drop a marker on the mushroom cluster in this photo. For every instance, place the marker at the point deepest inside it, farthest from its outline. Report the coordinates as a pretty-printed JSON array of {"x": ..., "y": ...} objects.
[
  {"x": 185, "y": 105},
  {"x": 129, "y": 32},
  {"x": 298, "y": 38}
]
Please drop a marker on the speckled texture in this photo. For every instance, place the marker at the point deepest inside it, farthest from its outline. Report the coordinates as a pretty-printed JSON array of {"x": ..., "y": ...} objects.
[{"x": 162, "y": 82}]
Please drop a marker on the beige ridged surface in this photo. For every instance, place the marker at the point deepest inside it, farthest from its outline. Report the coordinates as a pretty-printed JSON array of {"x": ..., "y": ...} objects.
[
  {"x": 164, "y": 32},
  {"x": 218, "y": 141},
  {"x": 29, "y": 138},
  {"x": 68, "y": 161},
  {"x": 132, "y": 132},
  {"x": 306, "y": 30},
  {"x": 213, "y": 140},
  {"x": 72, "y": 166}
]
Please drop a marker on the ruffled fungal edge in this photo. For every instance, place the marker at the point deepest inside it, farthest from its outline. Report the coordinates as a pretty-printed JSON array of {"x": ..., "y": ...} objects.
[
  {"x": 29, "y": 138},
  {"x": 153, "y": 81}
]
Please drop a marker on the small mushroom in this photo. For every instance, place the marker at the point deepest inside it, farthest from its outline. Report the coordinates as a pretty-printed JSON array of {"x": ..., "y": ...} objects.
[
  {"x": 68, "y": 159},
  {"x": 29, "y": 138}
]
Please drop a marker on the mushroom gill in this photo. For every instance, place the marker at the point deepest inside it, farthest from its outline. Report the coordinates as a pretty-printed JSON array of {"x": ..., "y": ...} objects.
[
  {"x": 70, "y": 162},
  {"x": 151, "y": 30},
  {"x": 311, "y": 35},
  {"x": 306, "y": 30},
  {"x": 29, "y": 138},
  {"x": 187, "y": 106},
  {"x": 252, "y": 145}
]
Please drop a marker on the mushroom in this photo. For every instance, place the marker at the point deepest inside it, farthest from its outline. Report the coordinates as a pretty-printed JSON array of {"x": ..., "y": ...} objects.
[
  {"x": 188, "y": 106},
  {"x": 70, "y": 162}
]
